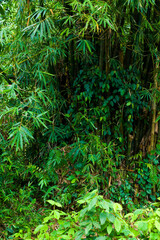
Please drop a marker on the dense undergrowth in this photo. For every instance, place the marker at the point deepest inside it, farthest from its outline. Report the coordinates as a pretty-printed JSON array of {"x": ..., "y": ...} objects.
[
  {"x": 98, "y": 219},
  {"x": 79, "y": 116},
  {"x": 69, "y": 173}
]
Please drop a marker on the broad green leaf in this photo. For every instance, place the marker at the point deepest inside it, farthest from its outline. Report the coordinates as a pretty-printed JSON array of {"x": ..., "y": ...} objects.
[
  {"x": 117, "y": 206},
  {"x": 139, "y": 211},
  {"x": 46, "y": 219},
  {"x": 53, "y": 203},
  {"x": 111, "y": 217},
  {"x": 88, "y": 228},
  {"x": 142, "y": 225},
  {"x": 105, "y": 205},
  {"x": 40, "y": 228},
  {"x": 92, "y": 203},
  {"x": 109, "y": 229},
  {"x": 128, "y": 104},
  {"x": 154, "y": 236},
  {"x": 71, "y": 231},
  {"x": 63, "y": 236},
  {"x": 158, "y": 212},
  {"x": 101, "y": 238},
  {"x": 83, "y": 212},
  {"x": 103, "y": 217},
  {"x": 79, "y": 235},
  {"x": 117, "y": 224},
  {"x": 157, "y": 224},
  {"x": 96, "y": 224},
  {"x": 56, "y": 214}
]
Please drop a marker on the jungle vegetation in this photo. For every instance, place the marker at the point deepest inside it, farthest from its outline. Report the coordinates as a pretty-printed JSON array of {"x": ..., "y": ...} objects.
[{"x": 79, "y": 119}]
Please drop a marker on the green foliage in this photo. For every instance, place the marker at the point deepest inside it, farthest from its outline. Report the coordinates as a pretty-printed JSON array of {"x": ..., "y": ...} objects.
[
  {"x": 98, "y": 219},
  {"x": 96, "y": 107},
  {"x": 78, "y": 82}
]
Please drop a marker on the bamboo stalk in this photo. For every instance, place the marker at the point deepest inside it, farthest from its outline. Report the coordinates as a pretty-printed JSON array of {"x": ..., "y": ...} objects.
[
  {"x": 101, "y": 56},
  {"x": 154, "y": 106},
  {"x": 107, "y": 47}
]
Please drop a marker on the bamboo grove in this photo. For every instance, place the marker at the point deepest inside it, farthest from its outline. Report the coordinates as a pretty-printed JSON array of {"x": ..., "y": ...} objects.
[{"x": 79, "y": 97}]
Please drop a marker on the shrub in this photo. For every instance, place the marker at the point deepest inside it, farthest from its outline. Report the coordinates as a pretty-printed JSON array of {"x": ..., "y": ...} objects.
[{"x": 99, "y": 219}]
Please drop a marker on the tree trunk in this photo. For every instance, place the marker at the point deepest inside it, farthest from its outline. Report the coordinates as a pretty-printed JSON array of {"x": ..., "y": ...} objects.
[
  {"x": 154, "y": 106},
  {"x": 121, "y": 57},
  {"x": 107, "y": 47},
  {"x": 101, "y": 56}
]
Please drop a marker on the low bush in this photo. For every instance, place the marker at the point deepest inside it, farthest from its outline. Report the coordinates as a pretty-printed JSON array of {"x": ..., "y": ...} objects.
[{"x": 98, "y": 219}]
